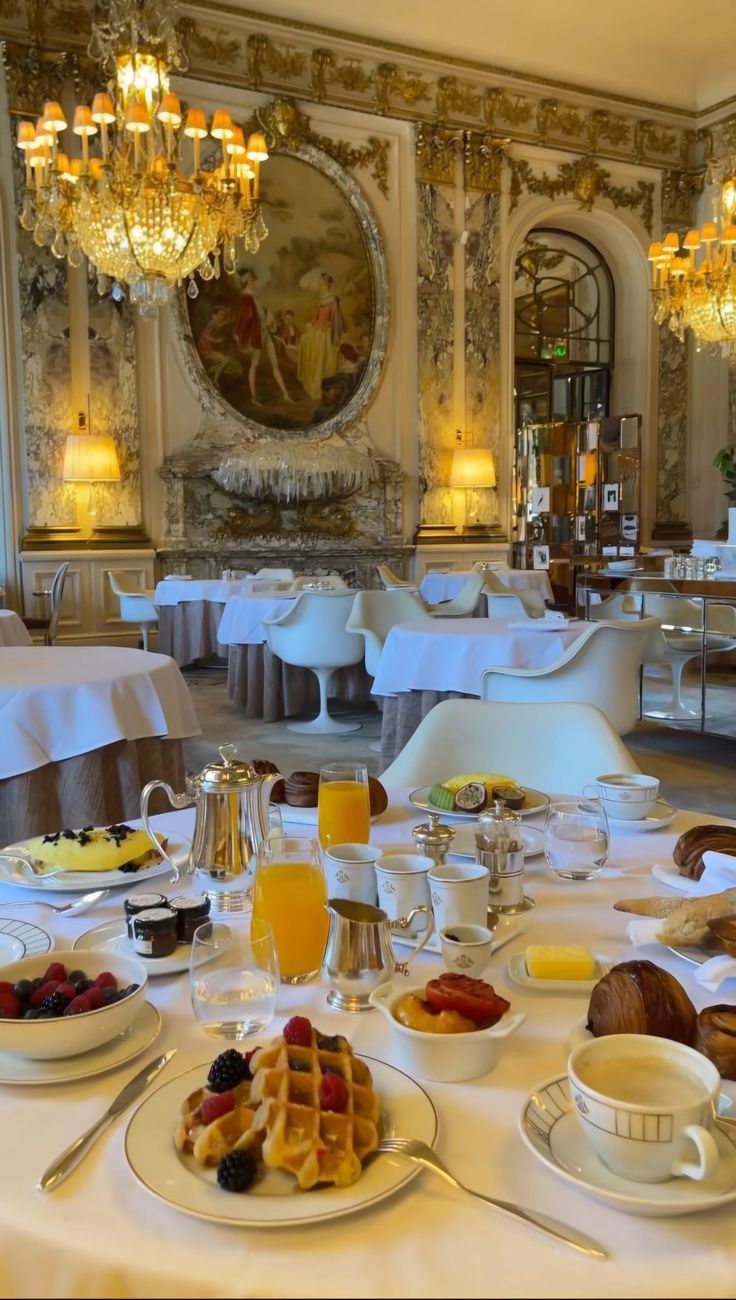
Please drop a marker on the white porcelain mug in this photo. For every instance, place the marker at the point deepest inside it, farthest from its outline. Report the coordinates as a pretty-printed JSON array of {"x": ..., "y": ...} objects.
[
  {"x": 459, "y": 894},
  {"x": 402, "y": 885},
  {"x": 645, "y": 1106},
  {"x": 626, "y": 797},
  {"x": 350, "y": 870}
]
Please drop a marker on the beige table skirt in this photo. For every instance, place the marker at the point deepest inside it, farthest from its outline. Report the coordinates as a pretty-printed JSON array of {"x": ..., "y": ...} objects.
[
  {"x": 188, "y": 631},
  {"x": 267, "y": 688},
  {"x": 402, "y": 715},
  {"x": 97, "y": 788}
]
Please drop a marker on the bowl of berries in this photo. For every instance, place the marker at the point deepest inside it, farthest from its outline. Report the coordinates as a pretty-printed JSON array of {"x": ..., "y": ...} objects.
[{"x": 65, "y": 1007}]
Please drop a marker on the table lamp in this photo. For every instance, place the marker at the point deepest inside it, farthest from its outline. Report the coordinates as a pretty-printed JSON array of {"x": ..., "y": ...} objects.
[
  {"x": 472, "y": 467},
  {"x": 89, "y": 458}
]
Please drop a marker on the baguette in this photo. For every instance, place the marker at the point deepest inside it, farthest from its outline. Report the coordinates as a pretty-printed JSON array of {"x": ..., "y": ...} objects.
[{"x": 686, "y": 924}]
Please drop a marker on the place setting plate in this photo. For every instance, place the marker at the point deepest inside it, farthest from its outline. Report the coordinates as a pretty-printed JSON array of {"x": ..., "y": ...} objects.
[
  {"x": 79, "y": 882},
  {"x": 517, "y": 972},
  {"x": 549, "y": 1128},
  {"x": 275, "y": 1200},
  {"x": 505, "y": 928},
  {"x": 113, "y": 935},
  {"x": 21, "y": 939},
  {"x": 535, "y": 802},
  {"x": 31, "y": 1072}
]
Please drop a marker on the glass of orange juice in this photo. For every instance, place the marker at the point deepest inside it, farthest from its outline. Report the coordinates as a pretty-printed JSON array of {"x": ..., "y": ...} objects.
[
  {"x": 289, "y": 894},
  {"x": 344, "y": 805}
]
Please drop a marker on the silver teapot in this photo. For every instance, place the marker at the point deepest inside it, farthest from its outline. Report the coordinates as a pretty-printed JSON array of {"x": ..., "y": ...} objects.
[
  {"x": 359, "y": 955},
  {"x": 231, "y": 819}
]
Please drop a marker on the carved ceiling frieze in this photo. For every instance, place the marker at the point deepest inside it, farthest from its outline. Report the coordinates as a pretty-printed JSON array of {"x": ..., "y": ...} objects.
[{"x": 586, "y": 181}]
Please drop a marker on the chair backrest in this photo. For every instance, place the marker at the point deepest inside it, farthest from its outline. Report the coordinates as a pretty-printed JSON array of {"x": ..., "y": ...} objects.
[
  {"x": 531, "y": 600},
  {"x": 374, "y": 613},
  {"x": 508, "y": 605},
  {"x": 313, "y": 632},
  {"x": 329, "y": 581},
  {"x": 557, "y": 748},
  {"x": 57, "y": 595},
  {"x": 390, "y": 580},
  {"x": 600, "y": 668},
  {"x": 464, "y": 602},
  {"x": 136, "y": 605},
  {"x": 286, "y": 574},
  {"x": 621, "y": 606},
  {"x": 122, "y": 583}
]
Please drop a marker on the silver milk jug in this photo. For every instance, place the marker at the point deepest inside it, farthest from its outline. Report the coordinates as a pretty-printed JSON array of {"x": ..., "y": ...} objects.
[{"x": 359, "y": 955}]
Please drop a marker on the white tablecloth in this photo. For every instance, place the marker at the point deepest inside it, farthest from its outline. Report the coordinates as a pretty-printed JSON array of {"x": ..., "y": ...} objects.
[
  {"x": 436, "y": 587},
  {"x": 173, "y": 591},
  {"x": 13, "y": 630},
  {"x": 103, "y": 1234},
  {"x": 59, "y": 701},
  {"x": 452, "y": 654},
  {"x": 242, "y": 623}
]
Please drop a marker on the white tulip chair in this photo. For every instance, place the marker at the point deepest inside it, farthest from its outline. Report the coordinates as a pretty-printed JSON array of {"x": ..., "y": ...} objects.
[
  {"x": 602, "y": 668},
  {"x": 463, "y": 603},
  {"x": 531, "y": 599},
  {"x": 312, "y": 633},
  {"x": 277, "y": 575},
  {"x": 682, "y": 640},
  {"x": 136, "y": 603},
  {"x": 391, "y": 581},
  {"x": 557, "y": 748},
  {"x": 510, "y": 604},
  {"x": 374, "y": 613}
]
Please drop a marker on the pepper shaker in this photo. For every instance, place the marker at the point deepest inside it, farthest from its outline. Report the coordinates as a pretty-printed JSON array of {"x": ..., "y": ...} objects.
[
  {"x": 500, "y": 848},
  {"x": 434, "y": 839}
]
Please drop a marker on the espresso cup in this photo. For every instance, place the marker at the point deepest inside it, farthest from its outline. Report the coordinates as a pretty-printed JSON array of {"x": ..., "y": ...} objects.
[
  {"x": 466, "y": 949},
  {"x": 459, "y": 895},
  {"x": 350, "y": 870},
  {"x": 627, "y": 797},
  {"x": 645, "y": 1106},
  {"x": 402, "y": 885}
]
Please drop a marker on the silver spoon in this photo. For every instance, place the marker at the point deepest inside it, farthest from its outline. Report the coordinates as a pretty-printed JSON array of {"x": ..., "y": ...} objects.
[{"x": 69, "y": 909}]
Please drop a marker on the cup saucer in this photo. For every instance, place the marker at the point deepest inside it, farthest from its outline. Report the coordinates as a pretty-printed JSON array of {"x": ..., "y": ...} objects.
[
  {"x": 549, "y": 1128},
  {"x": 661, "y": 816}
]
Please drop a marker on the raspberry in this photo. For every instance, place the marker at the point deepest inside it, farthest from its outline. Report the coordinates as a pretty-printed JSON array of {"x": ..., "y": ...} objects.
[
  {"x": 95, "y": 996},
  {"x": 67, "y": 990},
  {"x": 214, "y": 1107},
  {"x": 106, "y": 980},
  {"x": 41, "y": 994},
  {"x": 9, "y": 1004},
  {"x": 5, "y": 987},
  {"x": 56, "y": 971},
  {"x": 333, "y": 1095},
  {"x": 78, "y": 1005},
  {"x": 298, "y": 1031}
]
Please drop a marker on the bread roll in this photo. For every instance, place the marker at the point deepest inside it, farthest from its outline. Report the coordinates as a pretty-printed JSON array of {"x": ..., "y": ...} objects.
[
  {"x": 687, "y": 854},
  {"x": 715, "y": 1037}
]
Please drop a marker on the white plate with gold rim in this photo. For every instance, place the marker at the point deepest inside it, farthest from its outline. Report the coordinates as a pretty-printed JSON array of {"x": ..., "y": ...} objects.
[
  {"x": 505, "y": 929},
  {"x": 275, "y": 1200},
  {"x": 78, "y": 882},
  {"x": 28, "y": 1072},
  {"x": 535, "y": 802},
  {"x": 550, "y": 1129},
  {"x": 113, "y": 935},
  {"x": 661, "y": 816}
]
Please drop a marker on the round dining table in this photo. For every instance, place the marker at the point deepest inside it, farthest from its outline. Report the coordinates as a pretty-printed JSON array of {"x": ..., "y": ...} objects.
[
  {"x": 103, "y": 1233},
  {"x": 424, "y": 662},
  {"x": 83, "y": 728},
  {"x": 189, "y": 613},
  {"x": 13, "y": 630}
]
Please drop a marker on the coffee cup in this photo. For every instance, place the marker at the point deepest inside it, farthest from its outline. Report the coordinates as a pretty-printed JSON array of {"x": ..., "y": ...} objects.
[
  {"x": 645, "y": 1106},
  {"x": 402, "y": 886},
  {"x": 459, "y": 894},
  {"x": 627, "y": 796},
  {"x": 350, "y": 870},
  {"x": 466, "y": 949}
]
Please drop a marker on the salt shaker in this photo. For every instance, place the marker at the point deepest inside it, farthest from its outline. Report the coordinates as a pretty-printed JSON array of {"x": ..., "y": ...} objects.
[
  {"x": 500, "y": 848},
  {"x": 433, "y": 838}
]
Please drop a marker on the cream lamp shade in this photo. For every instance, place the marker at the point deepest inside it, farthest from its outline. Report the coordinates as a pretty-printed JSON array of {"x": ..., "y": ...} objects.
[
  {"x": 90, "y": 458},
  {"x": 472, "y": 467}
]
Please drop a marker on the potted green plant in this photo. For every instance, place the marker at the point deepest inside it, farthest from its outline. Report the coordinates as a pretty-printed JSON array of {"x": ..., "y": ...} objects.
[{"x": 725, "y": 462}]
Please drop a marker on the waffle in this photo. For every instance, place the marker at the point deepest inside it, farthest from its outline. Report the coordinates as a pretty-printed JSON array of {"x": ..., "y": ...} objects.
[
  {"x": 318, "y": 1146},
  {"x": 235, "y": 1131}
]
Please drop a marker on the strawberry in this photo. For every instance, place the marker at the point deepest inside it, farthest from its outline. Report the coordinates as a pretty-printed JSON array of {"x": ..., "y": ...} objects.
[
  {"x": 78, "y": 1005},
  {"x": 9, "y": 1004},
  {"x": 214, "y": 1107},
  {"x": 106, "y": 980},
  {"x": 333, "y": 1094},
  {"x": 298, "y": 1032},
  {"x": 67, "y": 990},
  {"x": 41, "y": 994},
  {"x": 95, "y": 997}
]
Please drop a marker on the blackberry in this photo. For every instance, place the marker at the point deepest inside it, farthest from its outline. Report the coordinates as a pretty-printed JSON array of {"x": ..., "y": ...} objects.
[
  {"x": 236, "y": 1172},
  {"x": 228, "y": 1071},
  {"x": 55, "y": 1004}
]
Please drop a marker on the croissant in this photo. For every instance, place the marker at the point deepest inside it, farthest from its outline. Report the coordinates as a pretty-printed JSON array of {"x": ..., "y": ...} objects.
[
  {"x": 637, "y": 997},
  {"x": 687, "y": 854},
  {"x": 715, "y": 1037}
]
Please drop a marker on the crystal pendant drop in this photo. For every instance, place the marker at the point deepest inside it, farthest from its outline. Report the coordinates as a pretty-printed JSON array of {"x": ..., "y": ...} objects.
[{"x": 192, "y": 289}]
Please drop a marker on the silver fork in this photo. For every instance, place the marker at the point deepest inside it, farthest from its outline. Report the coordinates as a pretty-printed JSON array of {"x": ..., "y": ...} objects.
[
  {"x": 413, "y": 1149},
  {"x": 71, "y": 909}
]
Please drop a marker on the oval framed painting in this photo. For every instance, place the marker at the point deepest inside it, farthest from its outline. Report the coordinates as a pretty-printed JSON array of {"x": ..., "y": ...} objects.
[{"x": 295, "y": 340}]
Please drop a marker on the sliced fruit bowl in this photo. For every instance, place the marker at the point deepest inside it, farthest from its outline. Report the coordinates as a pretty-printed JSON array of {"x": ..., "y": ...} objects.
[{"x": 69, "y": 1035}]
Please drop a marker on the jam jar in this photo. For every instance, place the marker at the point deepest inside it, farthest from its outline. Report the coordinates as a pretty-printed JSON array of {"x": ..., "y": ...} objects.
[
  {"x": 154, "y": 932},
  {"x": 191, "y": 910},
  {"x": 136, "y": 903}
]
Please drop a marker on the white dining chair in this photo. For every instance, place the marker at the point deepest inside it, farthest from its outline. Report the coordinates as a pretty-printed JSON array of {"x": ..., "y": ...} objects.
[
  {"x": 136, "y": 603},
  {"x": 463, "y": 603},
  {"x": 49, "y": 625},
  {"x": 284, "y": 575},
  {"x": 329, "y": 581},
  {"x": 557, "y": 748},
  {"x": 312, "y": 633},
  {"x": 510, "y": 604},
  {"x": 391, "y": 581},
  {"x": 531, "y": 599},
  {"x": 682, "y": 640},
  {"x": 601, "y": 668}
]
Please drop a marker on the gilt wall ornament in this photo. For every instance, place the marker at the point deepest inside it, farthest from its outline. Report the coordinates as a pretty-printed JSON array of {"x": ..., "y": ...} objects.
[{"x": 586, "y": 181}]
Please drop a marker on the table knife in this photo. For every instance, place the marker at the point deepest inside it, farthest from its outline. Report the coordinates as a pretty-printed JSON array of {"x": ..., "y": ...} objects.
[{"x": 60, "y": 1168}]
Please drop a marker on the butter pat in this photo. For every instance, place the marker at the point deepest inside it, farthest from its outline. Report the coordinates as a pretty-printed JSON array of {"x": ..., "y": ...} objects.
[{"x": 549, "y": 962}]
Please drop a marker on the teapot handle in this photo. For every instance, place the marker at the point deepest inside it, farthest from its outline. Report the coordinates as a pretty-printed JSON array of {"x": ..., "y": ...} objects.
[
  {"x": 264, "y": 802},
  {"x": 176, "y": 801},
  {"x": 403, "y": 922}
]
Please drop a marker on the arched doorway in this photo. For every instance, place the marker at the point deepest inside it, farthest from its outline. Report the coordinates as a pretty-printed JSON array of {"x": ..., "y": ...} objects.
[{"x": 563, "y": 328}]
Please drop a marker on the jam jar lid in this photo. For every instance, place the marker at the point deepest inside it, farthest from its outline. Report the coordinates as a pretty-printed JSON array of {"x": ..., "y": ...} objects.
[
  {"x": 143, "y": 902},
  {"x": 190, "y": 903},
  {"x": 154, "y": 918}
]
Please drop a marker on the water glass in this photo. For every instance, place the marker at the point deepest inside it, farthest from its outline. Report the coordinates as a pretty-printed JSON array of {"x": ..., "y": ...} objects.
[
  {"x": 576, "y": 839},
  {"x": 344, "y": 806},
  {"x": 234, "y": 977}
]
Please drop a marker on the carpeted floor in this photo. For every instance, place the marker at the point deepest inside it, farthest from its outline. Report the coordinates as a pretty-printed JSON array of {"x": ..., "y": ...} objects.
[{"x": 696, "y": 771}]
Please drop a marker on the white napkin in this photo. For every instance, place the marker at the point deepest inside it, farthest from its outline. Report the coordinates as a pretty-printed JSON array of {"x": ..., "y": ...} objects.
[
  {"x": 644, "y": 930},
  {"x": 178, "y": 577},
  {"x": 554, "y": 616},
  {"x": 713, "y": 973},
  {"x": 720, "y": 871}
]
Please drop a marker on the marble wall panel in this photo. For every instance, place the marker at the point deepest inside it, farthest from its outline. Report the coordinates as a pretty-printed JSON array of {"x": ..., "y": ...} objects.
[
  {"x": 672, "y": 417},
  {"x": 482, "y": 336},
  {"x": 114, "y": 406},
  {"x": 435, "y": 328}
]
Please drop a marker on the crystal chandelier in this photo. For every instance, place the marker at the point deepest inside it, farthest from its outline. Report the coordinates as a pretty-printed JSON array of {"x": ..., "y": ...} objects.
[
  {"x": 144, "y": 216},
  {"x": 694, "y": 282}
]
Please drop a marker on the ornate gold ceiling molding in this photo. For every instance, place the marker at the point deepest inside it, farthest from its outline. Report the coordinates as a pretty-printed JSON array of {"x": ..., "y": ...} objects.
[
  {"x": 586, "y": 181},
  {"x": 237, "y": 47}
]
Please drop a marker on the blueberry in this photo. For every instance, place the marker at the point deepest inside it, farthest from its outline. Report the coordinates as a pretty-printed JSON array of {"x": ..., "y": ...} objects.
[
  {"x": 82, "y": 985},
  {"x": 23, "y": 989},
  {"x": 36, "y": 984},
  {"x": 31, "y": 1014},
  {"x": 333, "y": 1069},
  {"x": 77, "y": 976},
  {"x": 108, "y": 995}
]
